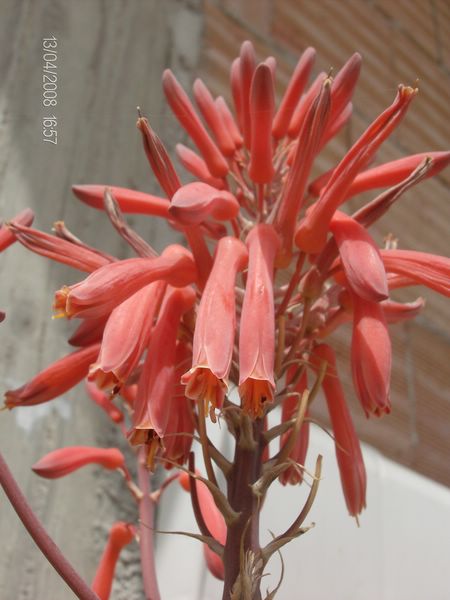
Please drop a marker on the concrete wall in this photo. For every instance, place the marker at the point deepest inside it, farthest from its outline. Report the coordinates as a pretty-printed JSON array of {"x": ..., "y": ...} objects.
[{"x": 110, "y": 59}]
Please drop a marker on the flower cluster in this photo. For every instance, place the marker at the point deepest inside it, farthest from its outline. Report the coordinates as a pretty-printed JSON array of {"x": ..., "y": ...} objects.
[{"x": 235, "y": 324}]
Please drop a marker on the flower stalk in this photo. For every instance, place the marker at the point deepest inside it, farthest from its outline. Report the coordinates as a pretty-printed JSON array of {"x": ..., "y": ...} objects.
[{"x": 44, "y": 542}]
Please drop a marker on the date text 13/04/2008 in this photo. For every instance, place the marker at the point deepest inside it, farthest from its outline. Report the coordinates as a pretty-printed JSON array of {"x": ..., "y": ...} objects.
[{"x": 49, "y": 88}]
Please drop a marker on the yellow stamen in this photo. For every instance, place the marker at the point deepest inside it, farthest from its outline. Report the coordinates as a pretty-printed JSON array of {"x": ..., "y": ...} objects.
[
  {"x": 254, "y": 394},
  {"x": 202, "y": 385},
  {"x": 153, "y": 447}
]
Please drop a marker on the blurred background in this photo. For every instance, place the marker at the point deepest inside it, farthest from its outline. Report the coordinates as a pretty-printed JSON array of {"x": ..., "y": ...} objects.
[{"x": 111, "y": 54}]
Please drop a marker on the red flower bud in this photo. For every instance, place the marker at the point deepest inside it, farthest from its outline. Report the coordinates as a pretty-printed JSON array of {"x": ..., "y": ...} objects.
[
  {"x": 63, "y": 461},
  {"x": 55, "y": 380},
  {"x": 129, "y": 201},
  {"x": 120, "y": 535}
]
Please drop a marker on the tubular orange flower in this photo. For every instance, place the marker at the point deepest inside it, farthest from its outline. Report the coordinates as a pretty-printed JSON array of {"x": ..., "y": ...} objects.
[
  {"x": 236, "y": 91},
  {"x": 56, "y": 379},
  {"x": 376, "y": 208},
  {"x": 78, "y": 257},
  {"x": 304, "y": 106},
  {"x": 292, "y": 95},
  {"x": 180, "y": 427},
  {"x": 152, "y": 405},
  {"x": 312, "y": 232},
  {"x": 112, "y": 284},
  {"x": 394, "y": 172},
  {"x": 360, "y": 258},
  {"x": 247, "y": 65},
  {"x": 63, "y": 461},
  {"x": 294, "y": 474},
  {"x": 343, "y": 87},
  {"x": 130, "y": 201},
  {"x": 371, "y": 356},
  {"x": 188, "y": 118},
  {"x": 215, "y": 327},
  {"x": 257, "y": 327},
  {"x": 213, "y": 118},
  {"x": 271, "y": 62},
  {"x": 262, "y": 104},
  {"x": 229, "y": 121},
  {"x": 158, "y": 158},
  {"x": 121, "y": 534},
  {"x": 180, "y": 431},
  {"x": 348, "y": 450},
  {"x": 421, "y": 268},
  {"x": 307, "y": 147},
  {"x": 126, "y": 335}
]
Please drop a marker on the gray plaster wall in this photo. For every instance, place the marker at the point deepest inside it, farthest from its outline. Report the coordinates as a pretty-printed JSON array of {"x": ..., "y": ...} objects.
[{"x": 111, "y": 54}]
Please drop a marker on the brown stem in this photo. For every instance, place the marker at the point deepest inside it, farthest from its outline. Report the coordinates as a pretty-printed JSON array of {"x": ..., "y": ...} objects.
[
  {"x": 243, "y": 535},
  {"x": 295, "y": 528},
  {"x": 146, "y": 515},
  {"x": 44, "y": 542}
]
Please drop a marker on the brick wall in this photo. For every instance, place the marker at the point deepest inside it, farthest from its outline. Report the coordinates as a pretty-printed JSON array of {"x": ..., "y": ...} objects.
[{"x": 401, "y": 42}]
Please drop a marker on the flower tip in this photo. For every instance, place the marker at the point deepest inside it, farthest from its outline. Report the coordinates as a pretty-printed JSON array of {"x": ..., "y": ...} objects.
[
  {"x": 90, "y": 194},
  {"x": 247, "y": 49},
  {"x": 205, "y": 386},
  {"x": 82, "y": 191},
  {"x": 406, "y": 91},
  {"x": 11, "y": 399},
  {"x": 439, "y": 161},
  {"x": 140, "y": 123},
  {"x": 167, "y": 75},
  {"x": 122, "y": 533},
  {"x": 60, "y": 304},
  {"x": 356, "y": 58},
  {"x": 103, "y": 379},
  {"x": 267, "y": 234}
]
